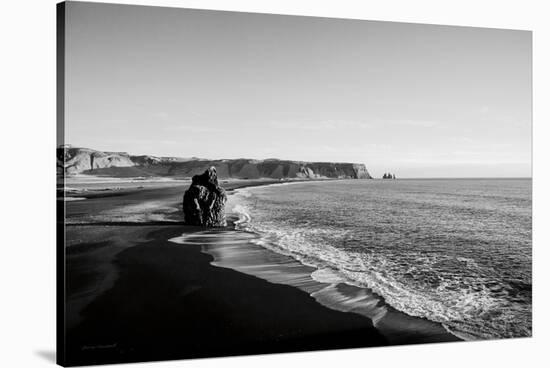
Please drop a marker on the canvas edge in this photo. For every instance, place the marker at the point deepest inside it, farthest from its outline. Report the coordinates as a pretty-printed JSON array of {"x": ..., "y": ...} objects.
[{"x": 60, "y": 204}]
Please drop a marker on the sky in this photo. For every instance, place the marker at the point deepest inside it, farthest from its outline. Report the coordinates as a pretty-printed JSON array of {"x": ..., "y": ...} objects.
[{"x": 415, "y": 100}]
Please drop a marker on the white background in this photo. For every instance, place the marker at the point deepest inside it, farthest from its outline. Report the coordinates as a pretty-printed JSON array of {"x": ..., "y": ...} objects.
[{"x": 27, "y": 260}]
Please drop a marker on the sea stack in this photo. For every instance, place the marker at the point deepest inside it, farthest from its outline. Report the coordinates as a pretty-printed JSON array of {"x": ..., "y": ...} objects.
[{"x": 204, "y": 201}]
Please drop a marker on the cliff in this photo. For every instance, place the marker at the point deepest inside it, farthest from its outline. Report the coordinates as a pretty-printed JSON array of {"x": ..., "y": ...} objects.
[
  {"x": 77, "y": 160},
  {"x": 120, "y": 164}
]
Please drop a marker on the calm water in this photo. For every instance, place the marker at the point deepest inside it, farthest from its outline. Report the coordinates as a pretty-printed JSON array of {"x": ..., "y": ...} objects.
[{"x": 453, "y": 251}]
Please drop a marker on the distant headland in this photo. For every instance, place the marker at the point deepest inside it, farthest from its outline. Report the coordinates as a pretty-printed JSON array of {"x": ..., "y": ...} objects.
[{"x": 76, "y": 160}]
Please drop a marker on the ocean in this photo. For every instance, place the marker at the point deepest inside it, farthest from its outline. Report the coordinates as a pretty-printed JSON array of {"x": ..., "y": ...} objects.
[{"x": 453, "y": 251}]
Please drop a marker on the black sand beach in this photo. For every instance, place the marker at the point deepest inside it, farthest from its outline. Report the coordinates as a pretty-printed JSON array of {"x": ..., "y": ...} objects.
[{"x": 133, "y": 295}]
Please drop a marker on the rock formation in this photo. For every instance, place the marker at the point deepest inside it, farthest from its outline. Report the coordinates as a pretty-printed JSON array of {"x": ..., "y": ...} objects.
[
  {"x": 204, "y": 201},
  {"x": 77, "y": 160},
  {"x": 72, "y": 160}
]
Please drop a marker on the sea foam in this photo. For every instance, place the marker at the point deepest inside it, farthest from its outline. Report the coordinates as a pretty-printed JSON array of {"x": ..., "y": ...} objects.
[{"x": 428, "y": 259}]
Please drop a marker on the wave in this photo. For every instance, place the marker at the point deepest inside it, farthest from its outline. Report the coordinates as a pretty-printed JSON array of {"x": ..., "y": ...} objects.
[
  {"x": 237, "y": 249},
  {"x": 243, "y": 216},
  {"x": 456, "y": 308},
  {"x": 468, "y": 309}
]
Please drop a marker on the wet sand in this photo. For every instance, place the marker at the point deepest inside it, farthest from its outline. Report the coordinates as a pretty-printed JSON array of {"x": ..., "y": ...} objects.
[
  {"x": 239, "y": 250},
  {"x": 134, "y": 295},
  {"x": 168, "y": 302}
]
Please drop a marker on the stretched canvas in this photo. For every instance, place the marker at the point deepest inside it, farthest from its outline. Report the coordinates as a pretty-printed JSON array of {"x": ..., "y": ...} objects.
[{"x": 235, "y": 183}]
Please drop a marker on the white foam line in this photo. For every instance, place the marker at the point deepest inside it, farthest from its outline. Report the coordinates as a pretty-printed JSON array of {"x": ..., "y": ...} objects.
[{"x": 70, "y": 199}]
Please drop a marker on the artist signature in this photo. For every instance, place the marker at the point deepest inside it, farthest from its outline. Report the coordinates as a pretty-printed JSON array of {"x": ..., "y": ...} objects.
[{"x": 96, "y": 347}]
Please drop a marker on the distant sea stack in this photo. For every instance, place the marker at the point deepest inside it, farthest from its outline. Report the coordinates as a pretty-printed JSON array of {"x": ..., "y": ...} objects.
[
  {"x": 72, "y": 160},
  {"x": 204, "y": 201}
]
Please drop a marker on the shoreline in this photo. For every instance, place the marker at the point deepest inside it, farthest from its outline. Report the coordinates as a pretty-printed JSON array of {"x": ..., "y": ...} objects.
[
  {"x": 350, "y": 298},
  {"x": 167, "y": 301},
  {"x": 95, "y": 187},
  {"x": 101, "y": 256},
  {"x": 239, "y": 250}
]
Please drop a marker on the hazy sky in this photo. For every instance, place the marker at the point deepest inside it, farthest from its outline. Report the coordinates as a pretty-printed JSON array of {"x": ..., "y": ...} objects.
[{"x": 417, "y": 100}]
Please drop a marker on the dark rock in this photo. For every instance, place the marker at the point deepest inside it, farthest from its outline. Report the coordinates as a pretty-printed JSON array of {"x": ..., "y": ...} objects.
[{"x": 204, "y": 201}]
